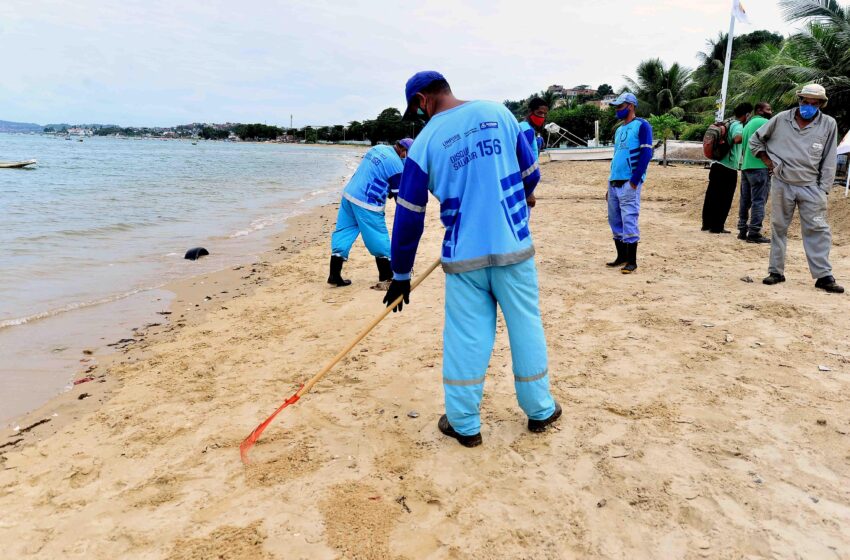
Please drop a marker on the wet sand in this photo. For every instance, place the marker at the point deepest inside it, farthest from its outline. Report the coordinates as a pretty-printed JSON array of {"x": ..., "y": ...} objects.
[{"x": 704, "y": 416}]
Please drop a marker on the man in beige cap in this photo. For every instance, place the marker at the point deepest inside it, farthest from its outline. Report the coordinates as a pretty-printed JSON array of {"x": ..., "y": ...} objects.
[{"x": 798, "y": 147}]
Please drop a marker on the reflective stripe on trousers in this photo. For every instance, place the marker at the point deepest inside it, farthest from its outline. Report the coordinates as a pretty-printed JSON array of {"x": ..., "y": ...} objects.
[{"x": 469, "y": 334}]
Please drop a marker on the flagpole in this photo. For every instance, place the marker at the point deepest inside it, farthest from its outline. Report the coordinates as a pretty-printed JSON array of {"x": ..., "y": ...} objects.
[{"x": 721, "y": 112}]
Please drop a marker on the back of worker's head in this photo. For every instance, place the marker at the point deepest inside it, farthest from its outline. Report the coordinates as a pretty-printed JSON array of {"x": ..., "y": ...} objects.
[
  {"x": 742, "y": 110},
  {"x": 536, "y": 103}
]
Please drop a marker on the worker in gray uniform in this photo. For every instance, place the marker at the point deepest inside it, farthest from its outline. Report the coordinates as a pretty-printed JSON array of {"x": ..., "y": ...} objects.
[{"x": 798, "y": 147}]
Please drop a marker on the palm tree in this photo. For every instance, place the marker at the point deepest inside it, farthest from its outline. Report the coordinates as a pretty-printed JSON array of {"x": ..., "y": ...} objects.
[
  {"x": 658, "y": 88},
  {"x": 819, "y": 53}
]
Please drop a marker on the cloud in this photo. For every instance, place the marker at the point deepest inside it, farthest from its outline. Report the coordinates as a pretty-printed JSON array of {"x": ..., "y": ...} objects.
[{"x": 157, "y": 62}]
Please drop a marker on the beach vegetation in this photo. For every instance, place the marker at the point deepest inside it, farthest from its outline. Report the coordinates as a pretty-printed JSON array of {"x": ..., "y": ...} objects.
[{"x": 667, "y": 126}]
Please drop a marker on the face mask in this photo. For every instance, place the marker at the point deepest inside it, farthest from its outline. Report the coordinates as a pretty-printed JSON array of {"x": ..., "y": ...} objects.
[
  {"x": 536, "y": 121},
  {"x": 622, "y": 113},
  {"x": 808, "y": 112}
]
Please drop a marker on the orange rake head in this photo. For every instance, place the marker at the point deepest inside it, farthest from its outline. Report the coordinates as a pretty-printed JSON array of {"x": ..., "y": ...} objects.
[{"x": 249, "y": 442}]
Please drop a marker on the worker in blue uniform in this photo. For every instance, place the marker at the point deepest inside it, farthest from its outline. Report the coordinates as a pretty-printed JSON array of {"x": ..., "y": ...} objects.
[
  {"x": 632, "y": 154},
  {"x": 361, "y": 210},
  {"x": 473, "y": 157},
  {"x": 531, "y": 126}
]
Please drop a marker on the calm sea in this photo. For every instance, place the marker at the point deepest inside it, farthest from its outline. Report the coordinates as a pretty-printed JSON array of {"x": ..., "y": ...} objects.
[{"x": 97, "y": 226}]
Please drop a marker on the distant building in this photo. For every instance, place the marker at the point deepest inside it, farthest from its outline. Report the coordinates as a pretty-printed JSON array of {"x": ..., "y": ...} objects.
[{"x": 79, "y": 131}]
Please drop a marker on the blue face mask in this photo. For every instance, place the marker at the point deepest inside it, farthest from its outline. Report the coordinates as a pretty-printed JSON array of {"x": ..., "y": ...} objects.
[
  {"x": 622, "y": 113},
  {"x": 808, "y": 112}
]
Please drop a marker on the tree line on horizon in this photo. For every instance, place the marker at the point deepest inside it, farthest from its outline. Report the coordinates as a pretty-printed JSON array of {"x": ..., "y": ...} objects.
[{"x": 679, "y": 101}]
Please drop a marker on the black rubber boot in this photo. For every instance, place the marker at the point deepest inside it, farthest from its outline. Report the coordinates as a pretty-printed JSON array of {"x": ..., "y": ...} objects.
[
  {"x": 467, "y": 441},
  {"x": 631, "y": 258},
  {"x": 621, "y": 254},
  {"x": 385, "y": 271},
  {"x": 538, "y": 426},
  {"x": 335, "y": 276}
]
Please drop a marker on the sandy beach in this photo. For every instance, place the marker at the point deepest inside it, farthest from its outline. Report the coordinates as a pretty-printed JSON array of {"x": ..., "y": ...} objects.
[{"x": 705, "y": 415}]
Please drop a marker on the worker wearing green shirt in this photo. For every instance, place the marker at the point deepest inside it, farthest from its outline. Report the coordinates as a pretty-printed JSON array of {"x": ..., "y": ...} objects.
[
  {"x": 755, "y": 181},
  {"x": 723, "y": 176}
]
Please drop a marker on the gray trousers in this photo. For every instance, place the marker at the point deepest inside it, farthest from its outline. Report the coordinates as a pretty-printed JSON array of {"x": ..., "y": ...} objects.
[
  {"x": 817, "y": 239},
  {"x": 755, "y": 186}
]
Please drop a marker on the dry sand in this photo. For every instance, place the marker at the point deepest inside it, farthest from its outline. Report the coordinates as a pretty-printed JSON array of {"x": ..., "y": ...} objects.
[{"x": 697, "y": 422}]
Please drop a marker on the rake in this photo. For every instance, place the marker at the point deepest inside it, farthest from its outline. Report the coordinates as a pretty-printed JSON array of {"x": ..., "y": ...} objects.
[{"x": 249, "y": 442}]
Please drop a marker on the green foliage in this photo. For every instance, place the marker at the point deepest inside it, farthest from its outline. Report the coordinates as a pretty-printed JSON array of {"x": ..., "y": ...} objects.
[
  {"x": 666, "y": 126},
  {"x": 210, "y": 133},
  {"x": 257, "y": 131},
  {"x": 603, "y": 90},
  {"x": 310, "y": 135},
  {"x": 580, "y": 121},
  {"x": 659, "y": 88},
  {"x": 820, "y": 53},
  {"x": 694, "y": 132}
]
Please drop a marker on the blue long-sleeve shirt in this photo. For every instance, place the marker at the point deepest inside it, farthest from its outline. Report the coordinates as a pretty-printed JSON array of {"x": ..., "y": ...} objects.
[
  {"x": 378, "y": 174},
  {"x": 632, "y": 152},
  {"x": 530, "y": 136},
  {"x": 476, "y": 161}
]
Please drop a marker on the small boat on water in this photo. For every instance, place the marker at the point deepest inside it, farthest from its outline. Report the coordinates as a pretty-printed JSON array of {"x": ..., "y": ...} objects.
[{"x": 16, "y": 164}]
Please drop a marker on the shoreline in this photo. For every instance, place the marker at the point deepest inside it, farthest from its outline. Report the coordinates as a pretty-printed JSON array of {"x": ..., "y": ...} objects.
[
  {"x": 694, "y": 404},
  {"x": 92, "y": 377},
  {"x": 45, "y": 351}
]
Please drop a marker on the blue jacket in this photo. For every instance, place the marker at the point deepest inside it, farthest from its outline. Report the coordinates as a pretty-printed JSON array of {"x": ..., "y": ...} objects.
[
  {"x": 378, "y": 173},
  {"x": 632, "y": 152},
  {"x": 476, "y": 161}
]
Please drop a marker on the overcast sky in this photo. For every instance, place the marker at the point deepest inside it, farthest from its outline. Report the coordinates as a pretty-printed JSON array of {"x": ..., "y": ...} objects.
[{"x": 157, "y": 62}]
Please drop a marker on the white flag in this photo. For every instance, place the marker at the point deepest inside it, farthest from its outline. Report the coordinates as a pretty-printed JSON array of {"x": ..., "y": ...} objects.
[{"x": 739, "y": 12}]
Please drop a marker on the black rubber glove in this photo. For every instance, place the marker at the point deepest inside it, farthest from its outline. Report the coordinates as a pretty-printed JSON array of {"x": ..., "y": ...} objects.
[{"x": 398, "y": 288}]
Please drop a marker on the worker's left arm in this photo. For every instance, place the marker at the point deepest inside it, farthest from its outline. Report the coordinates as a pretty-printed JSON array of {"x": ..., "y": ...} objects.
[
  {"x": 409, "y": 220},
  {"x": 644, "y": 156},
  {"x": 394, "y": 181},
  {"x": 829, "y": 161},
  {"x": 528, "y": 167}
]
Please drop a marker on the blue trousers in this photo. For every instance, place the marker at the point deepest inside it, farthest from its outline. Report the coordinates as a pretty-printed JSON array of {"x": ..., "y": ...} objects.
[
  {"x": 755, "y": 188},
  {"x": 351, "y": 221},
  {"x": 469, "y": 334},
  {"x": 623, "y": 212}
]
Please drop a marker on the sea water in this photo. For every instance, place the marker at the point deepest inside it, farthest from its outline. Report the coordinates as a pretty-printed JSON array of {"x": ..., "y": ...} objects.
[{"x": 92, "y": 232}]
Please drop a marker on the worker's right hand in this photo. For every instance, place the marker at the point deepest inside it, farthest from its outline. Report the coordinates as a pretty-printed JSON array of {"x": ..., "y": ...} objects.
[{"x": 398, "y": 288}]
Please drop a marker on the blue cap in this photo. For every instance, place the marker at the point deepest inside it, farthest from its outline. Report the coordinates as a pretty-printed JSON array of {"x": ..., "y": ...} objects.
[
  {"x": 417, "y": 83},
  {"x": 625, "y": 97},
  {"x": 406, "y": 143}
]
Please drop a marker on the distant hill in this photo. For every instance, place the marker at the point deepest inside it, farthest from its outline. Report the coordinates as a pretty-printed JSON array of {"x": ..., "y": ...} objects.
[{"x": 9, "y": 126}]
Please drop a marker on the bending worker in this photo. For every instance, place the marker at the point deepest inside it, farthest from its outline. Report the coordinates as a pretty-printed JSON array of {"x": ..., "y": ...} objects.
[
  {"x": 362, "y": 210},
  {"x": 799, "y": 148},
  {"x": 475, "y": 160},
  {"x": 632, "y": 153},
  {"x": 530, "y": 127}
]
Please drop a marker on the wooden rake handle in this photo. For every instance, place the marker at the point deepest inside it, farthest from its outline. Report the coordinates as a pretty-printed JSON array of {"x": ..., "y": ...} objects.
[
  {"x": 362, "y": 334},
  {"x": 252, "y": 438}
]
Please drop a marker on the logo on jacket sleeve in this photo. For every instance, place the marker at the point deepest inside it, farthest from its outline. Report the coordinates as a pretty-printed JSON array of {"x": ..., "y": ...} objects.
[{"x": 489, "y": 124}]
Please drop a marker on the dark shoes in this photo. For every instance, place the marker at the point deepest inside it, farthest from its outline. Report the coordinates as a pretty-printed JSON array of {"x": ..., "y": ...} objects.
[
  {"x": 467, "y": 441},
  {"x": 742, "y": 234},
  {"x": 773, "y": 278},
  {"x": 631, "y": 258},
  {"x": 538, "y": 426},
  {"x": 757, "y": 238},
  {"x": 621, "y": 254},
  {"x": 335, "y": 277},
  {"x": 827, "y": 284}
]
